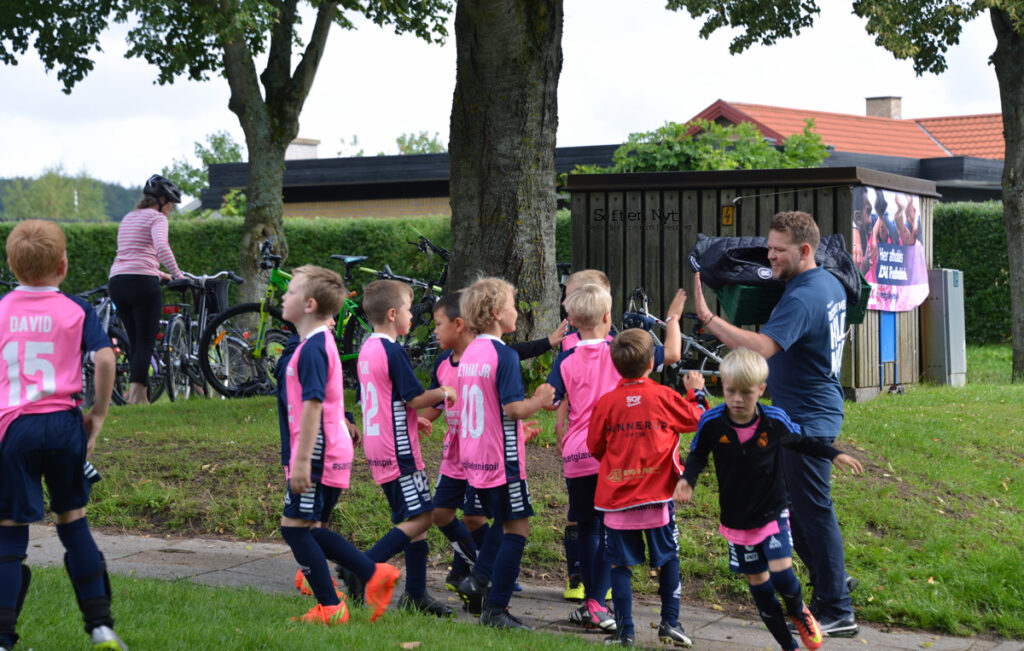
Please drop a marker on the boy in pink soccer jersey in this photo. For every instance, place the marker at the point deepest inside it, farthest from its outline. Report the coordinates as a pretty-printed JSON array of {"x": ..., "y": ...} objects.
[
  {"x": 43, "y": 434},
  {"x": 452, "y": 491},
  {"x": 390, "y": 395},
  {"x": 664, "y": 356},
  {"x": 491, "y": 445},
  {"x": 320, "y": 451}
]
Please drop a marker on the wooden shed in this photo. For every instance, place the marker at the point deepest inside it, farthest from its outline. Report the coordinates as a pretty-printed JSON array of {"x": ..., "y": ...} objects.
[{"x": 639, "y": 228}]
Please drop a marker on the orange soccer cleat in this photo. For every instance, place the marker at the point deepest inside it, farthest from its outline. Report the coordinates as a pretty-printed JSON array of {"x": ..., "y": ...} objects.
[
  {"x": 380, "y": 588},
  {"x": 807, "y": 626},
  {"x": 302, "y": 585},
  {"x": 327, "y": 615}
]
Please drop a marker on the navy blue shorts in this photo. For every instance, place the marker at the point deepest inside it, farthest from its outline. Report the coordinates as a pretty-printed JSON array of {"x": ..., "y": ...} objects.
[
  {"x": 456, "y": 494},
  {"x": 506, "y": 502},
  {"x": 315, "y": 504},
  {"x": 581, "y": 498},
  {"x": 408, "y": 496},
  {"x": 41, "y": 447},
  {"x": 753, "y": 559},
  {"x": 625, "y": 547}
]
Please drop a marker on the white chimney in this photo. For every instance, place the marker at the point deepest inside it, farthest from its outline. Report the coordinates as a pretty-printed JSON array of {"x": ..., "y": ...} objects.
[
  {"x": 301, "y": 148},
  {"x": 885, "y": 107}
]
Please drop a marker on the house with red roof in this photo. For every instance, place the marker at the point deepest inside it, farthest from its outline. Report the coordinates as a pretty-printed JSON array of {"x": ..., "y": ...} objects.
[{"x": 963, "y": 154}]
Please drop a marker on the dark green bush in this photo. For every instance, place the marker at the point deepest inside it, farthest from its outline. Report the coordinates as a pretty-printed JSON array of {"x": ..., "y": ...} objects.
[
  {"x": 210, "y": 245},
  {"x": 972, "y": 237}
]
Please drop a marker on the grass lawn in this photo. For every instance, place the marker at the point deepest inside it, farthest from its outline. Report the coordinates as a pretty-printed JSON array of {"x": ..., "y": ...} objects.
[
  {"x": 227, "y": 618},
  {"x": 932, "y": 530}
]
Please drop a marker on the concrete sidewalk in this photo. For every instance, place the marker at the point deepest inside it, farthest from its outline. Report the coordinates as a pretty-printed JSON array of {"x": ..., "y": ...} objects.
[{"x": 271, "y": 568}]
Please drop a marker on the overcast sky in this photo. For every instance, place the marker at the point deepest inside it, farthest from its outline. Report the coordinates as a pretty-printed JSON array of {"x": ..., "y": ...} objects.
[{"x": 629, "y": 65}]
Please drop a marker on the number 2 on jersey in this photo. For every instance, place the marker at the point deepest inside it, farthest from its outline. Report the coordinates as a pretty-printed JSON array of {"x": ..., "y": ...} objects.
[{"x": 370, "y": 408}]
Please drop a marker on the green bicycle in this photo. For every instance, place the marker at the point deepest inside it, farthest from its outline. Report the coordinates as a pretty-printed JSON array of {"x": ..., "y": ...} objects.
[{"x": 240, "y": 348}]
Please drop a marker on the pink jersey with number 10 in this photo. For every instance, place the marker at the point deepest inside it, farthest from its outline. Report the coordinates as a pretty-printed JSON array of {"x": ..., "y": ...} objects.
[{"x": 491, "y": 446}]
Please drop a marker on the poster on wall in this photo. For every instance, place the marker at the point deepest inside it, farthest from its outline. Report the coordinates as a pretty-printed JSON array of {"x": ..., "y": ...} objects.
[{"x": 888, "y": 247}]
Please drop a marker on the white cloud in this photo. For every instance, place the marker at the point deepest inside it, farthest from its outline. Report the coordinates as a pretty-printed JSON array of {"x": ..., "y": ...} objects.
[{"x": 627, "y": 66}]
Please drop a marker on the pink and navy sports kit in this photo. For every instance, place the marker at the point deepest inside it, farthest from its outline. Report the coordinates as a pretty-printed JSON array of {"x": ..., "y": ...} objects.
[
  {"x": 43, "y": 335},
  {"x": 452, "y": 490},
  {"x": 314, "y": 373},
  {"x": 391, "y": 441},
  {"x": 581, "y": 375}
]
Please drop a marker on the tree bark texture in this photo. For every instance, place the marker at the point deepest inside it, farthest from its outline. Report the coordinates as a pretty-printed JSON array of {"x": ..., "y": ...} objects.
[
  {"x": 502, "y": 146},
  {"x": 1008, "y": 60},
  {"x": 270, "y": 121}
]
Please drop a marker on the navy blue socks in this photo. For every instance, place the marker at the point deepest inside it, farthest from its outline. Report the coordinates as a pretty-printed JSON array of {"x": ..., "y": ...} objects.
[
  {"x": 13, "y": 544},
  {"x": 393, "y": 542},
  {"x": 462, "y": 542},
  {"x": 416, "y": 568},
  {"x": 313, "y": 563},
  {"x": 789, "y": 587},
  {"x": 84, "y": 562},
  {"x": 622, "y": 597},
  {"x": 341, "y": 551},
  {"x": 571, "y": 542},
  {"x": 771, "y": 614},
  {"x": 594, "y": 569},
  {"x": 506, "y": 570},
  {"x": 668, "y": 589}
]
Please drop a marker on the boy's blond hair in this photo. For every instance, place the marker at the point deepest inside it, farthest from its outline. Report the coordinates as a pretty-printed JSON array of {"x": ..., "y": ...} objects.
[
  {"x": 589, "y": 277},
  {"x": 587, "y": 305},
  {"x": 35, "y": 249},
  {"x": 325, "y": 287},
  {"x": 383, "y": 295},
  {"x": 632, "y": 351},
  {"x": 480, "y": 299},
  {"x": 743, "y": 369}
]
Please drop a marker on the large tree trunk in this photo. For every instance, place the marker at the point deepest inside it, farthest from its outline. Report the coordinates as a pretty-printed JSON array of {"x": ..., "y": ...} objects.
[
  {"x": 270, "y": 123},
  {"x": 1009, "y": 64},
  {"x": 502, "y": 145}
]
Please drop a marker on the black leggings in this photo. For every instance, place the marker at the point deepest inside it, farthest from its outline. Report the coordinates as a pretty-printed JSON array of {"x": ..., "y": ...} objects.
[{"x": 139, "y": 303}]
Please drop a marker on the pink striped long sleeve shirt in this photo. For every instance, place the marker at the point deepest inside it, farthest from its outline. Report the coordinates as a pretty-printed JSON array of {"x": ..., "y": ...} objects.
[{"x": 142, "y": 245}]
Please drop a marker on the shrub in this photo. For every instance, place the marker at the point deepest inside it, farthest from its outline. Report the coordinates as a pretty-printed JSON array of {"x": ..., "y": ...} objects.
[{"x": 972, "y": 237}]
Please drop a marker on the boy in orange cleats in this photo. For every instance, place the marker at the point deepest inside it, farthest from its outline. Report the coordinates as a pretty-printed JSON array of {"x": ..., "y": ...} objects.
[
  {"x": 747, "y": 440},
  {"x": 320, "y": 451}
]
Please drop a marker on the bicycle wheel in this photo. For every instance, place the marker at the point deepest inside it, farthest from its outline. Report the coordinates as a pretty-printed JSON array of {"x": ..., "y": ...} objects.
[
  {"x": 421, "y": 344},
  {"x": 157, "y": 373},
  {"x": 176, "y": 354},
  {"x": 357, "y": 330},
  {"x": 234, "y": 361}
]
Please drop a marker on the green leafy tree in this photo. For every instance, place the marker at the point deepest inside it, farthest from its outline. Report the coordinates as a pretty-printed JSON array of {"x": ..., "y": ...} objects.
[
  {"x": 55, "y": 195},
  {"x": 921, "y": 31},
  {"x": 420, "y": 143},
  {"x": 714, "y": 147},
  {"x": 220, "y": 147},
  {"x": 201, "y": 39}
]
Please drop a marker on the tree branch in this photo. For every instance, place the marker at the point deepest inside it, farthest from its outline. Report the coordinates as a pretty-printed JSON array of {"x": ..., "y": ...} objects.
[{"x": 305, "y": 72}]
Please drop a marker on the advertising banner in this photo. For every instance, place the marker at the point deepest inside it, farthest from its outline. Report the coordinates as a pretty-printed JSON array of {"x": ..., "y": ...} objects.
[{"x": 887, "y": 246}]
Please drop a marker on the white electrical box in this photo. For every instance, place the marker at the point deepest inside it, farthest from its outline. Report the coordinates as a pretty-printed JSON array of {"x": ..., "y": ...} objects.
[{"x": 943, "y": 336}]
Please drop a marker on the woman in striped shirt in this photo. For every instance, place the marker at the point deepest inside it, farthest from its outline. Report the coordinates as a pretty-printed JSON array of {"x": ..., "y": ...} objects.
[{"x": 135, "y": 276}]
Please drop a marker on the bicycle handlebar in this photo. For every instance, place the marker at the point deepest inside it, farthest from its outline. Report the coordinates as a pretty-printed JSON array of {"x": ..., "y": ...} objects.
[
  {"x": 387, "y": 274},
  {"x": 220, "y": 274}
]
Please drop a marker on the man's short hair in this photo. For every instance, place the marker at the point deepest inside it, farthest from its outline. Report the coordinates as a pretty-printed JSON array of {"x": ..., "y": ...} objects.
[
  {"x": 589, "y": 277},
  {"x": 743, "y": 369},
  {"x": 480, "y": 299},
  {"x": 449, "y": 304},
  {"x": 799, "y": 225},
  {"x": 383, "y": 295},
  {"x": 324, "y": 286},
  {"x": 35, "y": 249},
  {"x": 632, "y": 351},
  {"x": 587, "y": 305}
]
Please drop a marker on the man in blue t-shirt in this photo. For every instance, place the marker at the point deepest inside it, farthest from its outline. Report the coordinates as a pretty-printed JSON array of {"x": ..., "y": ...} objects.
[{"x": 803, "y": 343}]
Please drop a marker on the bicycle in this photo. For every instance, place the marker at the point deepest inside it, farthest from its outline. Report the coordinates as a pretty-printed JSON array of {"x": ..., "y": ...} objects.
[
  {"x": 180, "y": 350},
  {"x": 700, "y": 351}
]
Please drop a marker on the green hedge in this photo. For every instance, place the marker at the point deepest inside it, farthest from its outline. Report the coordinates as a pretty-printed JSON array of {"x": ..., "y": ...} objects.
[
  {"x": 210, "y": 245},
  {"x": 972, "y": 237}
]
